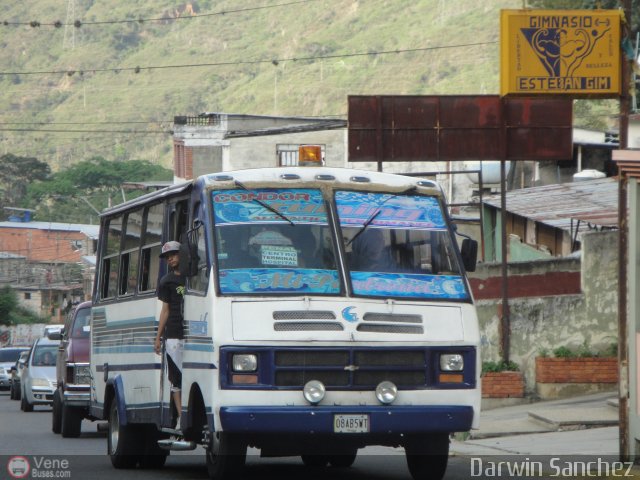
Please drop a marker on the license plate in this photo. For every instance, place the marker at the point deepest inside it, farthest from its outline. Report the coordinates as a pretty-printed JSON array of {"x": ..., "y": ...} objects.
[{"x": 351, "y": 423}]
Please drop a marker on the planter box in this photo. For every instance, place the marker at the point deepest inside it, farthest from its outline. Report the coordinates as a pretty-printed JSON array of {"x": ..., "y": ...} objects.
[
  {"x": 502, "y": 385},
  {"x": 577, "y": 370}
]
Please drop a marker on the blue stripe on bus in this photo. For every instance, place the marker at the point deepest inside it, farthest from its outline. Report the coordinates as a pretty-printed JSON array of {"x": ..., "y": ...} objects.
[
  {"x": 149, "y": 348},
  {"x": 199, "y": 366},
  {"x": 129, "y": 366},
  {"x": 199, "y": 347},
  {"x": 124, "y": 349},
  {"x": 130, "y": 321}
]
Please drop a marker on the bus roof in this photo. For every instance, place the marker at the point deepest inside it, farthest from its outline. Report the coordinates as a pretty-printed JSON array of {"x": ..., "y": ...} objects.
[
  {"x": 276, "y": 176},
  {"x": 342, "y": 177}
]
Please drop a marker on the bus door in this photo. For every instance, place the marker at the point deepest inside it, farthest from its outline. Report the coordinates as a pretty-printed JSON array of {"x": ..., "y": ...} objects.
[{"x": 176, "y": 221}]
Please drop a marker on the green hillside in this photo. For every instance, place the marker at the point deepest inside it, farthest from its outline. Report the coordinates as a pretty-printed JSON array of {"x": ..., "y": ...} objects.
[{"x": 127, "y": 79}]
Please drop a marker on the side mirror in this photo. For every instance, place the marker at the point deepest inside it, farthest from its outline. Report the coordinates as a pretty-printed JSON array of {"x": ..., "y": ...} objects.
[
  {"x": 55, "y": 335},
  {"x": 188, "y": 259},
  {"x": 469, "y": 252}
]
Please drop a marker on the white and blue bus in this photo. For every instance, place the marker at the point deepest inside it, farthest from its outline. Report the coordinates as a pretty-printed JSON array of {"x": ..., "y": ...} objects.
[{"x": 325, "y": 309}]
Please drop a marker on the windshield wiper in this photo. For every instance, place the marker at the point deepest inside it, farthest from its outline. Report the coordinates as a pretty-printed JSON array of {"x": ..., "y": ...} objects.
[
  {"x": 266, "y": 205},
  {"x": 377, "y": 212}
]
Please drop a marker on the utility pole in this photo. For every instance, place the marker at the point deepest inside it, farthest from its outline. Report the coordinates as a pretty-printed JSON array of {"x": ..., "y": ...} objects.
[
  {"x": 623, "y": 255},
  {"x": 69, "y": 39}
]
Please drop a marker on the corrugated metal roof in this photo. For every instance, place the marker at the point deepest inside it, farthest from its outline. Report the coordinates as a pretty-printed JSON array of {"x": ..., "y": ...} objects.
[
  {"x": 592, "y": 202},
  {"x": 90, "y": 231}
]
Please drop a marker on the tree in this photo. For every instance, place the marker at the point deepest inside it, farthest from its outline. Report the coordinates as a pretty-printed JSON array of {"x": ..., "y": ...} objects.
[
  {"x": 16, "y": 173},
  {"x": 72, "y": 194},
  {"x": 11, "y": 312},
  {"x": 8, "y": 303}
]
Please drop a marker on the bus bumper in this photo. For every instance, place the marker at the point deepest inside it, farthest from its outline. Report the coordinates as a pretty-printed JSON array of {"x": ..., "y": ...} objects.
[{"x": 404, "y": 419}]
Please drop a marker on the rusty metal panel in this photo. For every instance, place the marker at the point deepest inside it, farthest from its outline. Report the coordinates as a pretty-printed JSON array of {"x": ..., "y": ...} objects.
[
  {"x": 409, "y": 145},
  {"x": 542, "y": 112},
  {"x": 409, "y": 112},
  {"x": 469, "y": 144},
  {"x": 539, "y": 144},
  {"x": 392, "y": 128},
  {"x": 470, "y": 111}
]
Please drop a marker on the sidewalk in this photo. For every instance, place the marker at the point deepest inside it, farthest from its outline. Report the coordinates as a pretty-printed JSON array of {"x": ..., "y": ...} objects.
[{"x": 585, "y": 425}]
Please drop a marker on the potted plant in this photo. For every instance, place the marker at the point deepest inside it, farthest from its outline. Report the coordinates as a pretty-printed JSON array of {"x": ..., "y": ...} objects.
[
  {"x": 581, "y": 365},
  {"x": 502, "y": 380}
]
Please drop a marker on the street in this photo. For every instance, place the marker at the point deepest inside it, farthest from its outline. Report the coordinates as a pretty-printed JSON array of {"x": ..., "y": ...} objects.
[{"x": 29, "y": 435}]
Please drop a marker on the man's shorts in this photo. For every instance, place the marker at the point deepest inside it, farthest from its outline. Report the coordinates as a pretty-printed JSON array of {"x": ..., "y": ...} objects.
[{"x": 174, "y": 348}]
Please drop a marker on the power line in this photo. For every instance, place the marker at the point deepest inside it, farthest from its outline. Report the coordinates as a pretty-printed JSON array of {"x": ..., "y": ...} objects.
[
  {"x": 78, "y": 23},
  {"x": 275, "y": 61},
  {"x": 119, "y": 122},
  {"x": 128, "y": 132}
]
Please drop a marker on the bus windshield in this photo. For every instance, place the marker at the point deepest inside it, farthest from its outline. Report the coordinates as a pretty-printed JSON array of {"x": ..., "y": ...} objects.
[
  {"x": 398, "y": 245},
  {"x": 274, "y": 241}
]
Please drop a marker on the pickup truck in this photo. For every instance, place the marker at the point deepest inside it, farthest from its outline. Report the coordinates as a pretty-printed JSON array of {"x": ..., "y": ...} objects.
[{"x": 71, "y": 398}]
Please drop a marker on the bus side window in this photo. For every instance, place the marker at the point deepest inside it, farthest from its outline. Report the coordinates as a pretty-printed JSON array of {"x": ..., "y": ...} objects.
[
  {"x": 200, "y": 281},
  {"x": 130, "y": 249},
  {"x": 151, "y": 245},
  {"x": 110, "y": 259}
]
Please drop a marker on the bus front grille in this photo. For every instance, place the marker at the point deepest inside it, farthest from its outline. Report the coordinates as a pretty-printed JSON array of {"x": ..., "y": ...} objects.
[
  {"x": 307, "y": 326},
  {"x": 350, "y": 368}
]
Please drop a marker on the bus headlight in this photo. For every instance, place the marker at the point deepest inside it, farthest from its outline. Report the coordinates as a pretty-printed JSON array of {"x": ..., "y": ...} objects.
[
  {"x": 314, "y": 391},
  {"x": 451, "y": 362},
  {"x": 386, "y": 392},
  {"x": 245, "y": 362}
]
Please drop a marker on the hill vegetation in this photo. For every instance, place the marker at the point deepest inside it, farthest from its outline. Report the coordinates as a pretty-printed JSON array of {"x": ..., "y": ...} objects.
[{"x": 110, "y": 85}]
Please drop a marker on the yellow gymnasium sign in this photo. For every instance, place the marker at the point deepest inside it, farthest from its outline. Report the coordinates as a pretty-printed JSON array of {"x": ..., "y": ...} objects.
[{"x": 574, "y": 52}]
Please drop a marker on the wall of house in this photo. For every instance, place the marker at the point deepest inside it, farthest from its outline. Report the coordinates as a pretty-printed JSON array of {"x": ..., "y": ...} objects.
[
  {"x": 31, "y": 299},
  {"x": 634, "y": 131},
  {"x": 556, "y": 302},
  {"x": 44, "y": 245},
  {"x": 21, "y": 335},
  {"x": 260, "y": 151}
]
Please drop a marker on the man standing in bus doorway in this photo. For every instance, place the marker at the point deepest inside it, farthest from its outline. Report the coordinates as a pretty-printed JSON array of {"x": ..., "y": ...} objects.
[{"x": 171, "y": 323}]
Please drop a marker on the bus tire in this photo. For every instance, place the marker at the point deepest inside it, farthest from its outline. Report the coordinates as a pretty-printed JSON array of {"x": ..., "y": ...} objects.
[
  {"x": 344, "y": 459},
  {"x": 153, "y": 456},
  {"x": 427, "y": 457},
  {"x": 122, "y": 441},
  {"x": 315, "y": 461},
  {"x": 225, "y": 455},
  {"x": 56, "y": 413},
  {"x": 71, "y": 421}
]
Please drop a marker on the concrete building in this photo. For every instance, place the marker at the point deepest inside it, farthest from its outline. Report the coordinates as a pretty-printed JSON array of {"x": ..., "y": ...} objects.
[
  {"x": 214, "y": 142},
  {"x": 48, "y": 264},
  {"x": 549, "y": 221}
]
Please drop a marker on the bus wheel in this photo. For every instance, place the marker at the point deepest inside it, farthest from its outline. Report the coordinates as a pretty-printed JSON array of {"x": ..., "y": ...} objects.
[
  {"x": 153, "y": 456},
  {"x": 121, "y": 441},
  {"x": 71, "y": 421},
  {"x": 315, "y": 461},
  {"x": 344, "y": 459},
  {"x": 427, "y": 457},
  {"x": 225, "y": 455},
  {"x": 56, "y": 414}
]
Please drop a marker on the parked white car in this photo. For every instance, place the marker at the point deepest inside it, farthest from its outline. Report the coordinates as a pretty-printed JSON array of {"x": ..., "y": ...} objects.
[
  {"x": 38, "y": 380},
  {"x": 8, "y": 357},
  {"x": 16, "y": 375}
]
